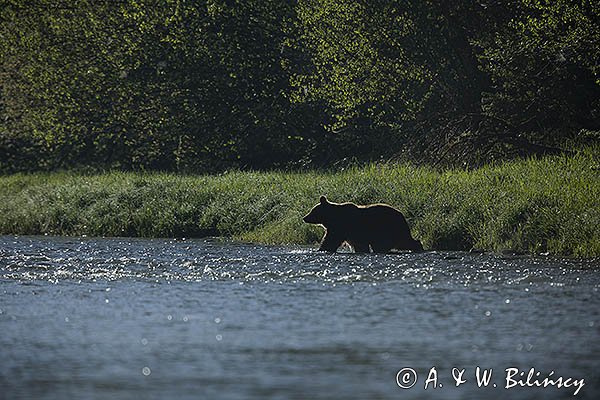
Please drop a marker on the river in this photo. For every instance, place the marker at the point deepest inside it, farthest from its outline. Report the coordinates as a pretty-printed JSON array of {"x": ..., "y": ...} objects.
[{"x": 99, "y": 318}]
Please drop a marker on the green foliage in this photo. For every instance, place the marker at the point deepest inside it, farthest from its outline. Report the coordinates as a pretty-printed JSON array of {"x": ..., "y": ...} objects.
[
  {"x": 215, "y": 85},
  {"x": 533, "y": 205},
  {"x": 148, "y": 85},
  {"x": 360, "y": 65},
  {"x": 544, "y": 67}
]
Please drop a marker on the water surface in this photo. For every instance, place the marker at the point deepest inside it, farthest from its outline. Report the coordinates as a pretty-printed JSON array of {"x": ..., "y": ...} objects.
[{"x": 208, "y": 319}]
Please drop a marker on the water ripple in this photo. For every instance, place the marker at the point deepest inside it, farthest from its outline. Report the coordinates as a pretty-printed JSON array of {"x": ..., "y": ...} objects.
[{"x": 162, "y": 260}]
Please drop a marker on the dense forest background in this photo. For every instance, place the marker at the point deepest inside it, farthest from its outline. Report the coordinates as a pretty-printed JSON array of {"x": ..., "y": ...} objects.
[{"x": 205, "y": 86}]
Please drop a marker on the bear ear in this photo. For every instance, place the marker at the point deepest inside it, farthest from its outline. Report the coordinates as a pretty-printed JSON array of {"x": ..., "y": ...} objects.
[{"x": 323, "y": 200}]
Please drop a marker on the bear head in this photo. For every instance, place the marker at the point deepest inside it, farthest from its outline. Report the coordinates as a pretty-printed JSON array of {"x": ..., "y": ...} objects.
[{"x": 320, "y": 213}]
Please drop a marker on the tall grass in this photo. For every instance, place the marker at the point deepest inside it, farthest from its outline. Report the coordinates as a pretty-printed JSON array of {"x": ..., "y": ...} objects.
[{"x": 535, "y": 205}]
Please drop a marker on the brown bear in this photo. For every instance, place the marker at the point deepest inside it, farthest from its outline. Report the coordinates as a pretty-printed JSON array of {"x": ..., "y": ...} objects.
[{"x": 379, "y": 226}]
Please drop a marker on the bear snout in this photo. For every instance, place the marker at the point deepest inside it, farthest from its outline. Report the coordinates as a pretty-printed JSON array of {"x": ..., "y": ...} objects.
[{"x": 309, "y": 219}]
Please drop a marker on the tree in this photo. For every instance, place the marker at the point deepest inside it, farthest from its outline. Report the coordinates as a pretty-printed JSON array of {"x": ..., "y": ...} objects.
[{"x": 544, "y": 66}]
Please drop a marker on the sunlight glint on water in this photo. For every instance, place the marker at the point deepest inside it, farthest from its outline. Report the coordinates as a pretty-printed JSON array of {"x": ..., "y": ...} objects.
[{"x": 120, "y": 318}]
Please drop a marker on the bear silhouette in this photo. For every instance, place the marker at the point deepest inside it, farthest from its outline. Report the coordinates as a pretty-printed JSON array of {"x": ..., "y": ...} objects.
[{"x": 379, "y": 227}]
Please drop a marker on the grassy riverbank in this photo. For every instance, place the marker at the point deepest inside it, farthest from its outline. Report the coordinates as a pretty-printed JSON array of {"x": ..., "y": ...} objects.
[{"x": 544, "y": 205}]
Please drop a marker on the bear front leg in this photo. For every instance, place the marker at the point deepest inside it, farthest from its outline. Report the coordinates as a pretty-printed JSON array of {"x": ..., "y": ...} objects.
[{"x": 330, "y": 242}]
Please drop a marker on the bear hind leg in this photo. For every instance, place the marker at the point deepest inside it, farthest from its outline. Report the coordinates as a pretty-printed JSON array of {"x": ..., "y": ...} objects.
[
  {"x": 381, "y": 247},
  {"x": 360, "y": 247}
]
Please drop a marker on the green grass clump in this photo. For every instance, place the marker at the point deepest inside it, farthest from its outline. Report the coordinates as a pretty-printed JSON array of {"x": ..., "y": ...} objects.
[{"x": 534, "y": 205}]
